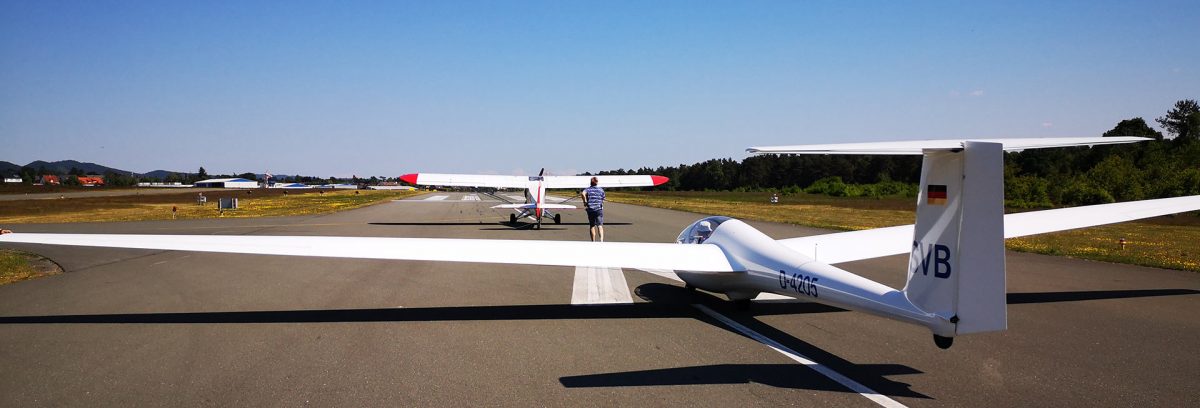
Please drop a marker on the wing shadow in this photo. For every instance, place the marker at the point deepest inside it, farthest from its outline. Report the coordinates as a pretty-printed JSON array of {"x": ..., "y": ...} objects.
[
  {"x": 1051, "y": 297},
  {"x": 775, "y": 375}
]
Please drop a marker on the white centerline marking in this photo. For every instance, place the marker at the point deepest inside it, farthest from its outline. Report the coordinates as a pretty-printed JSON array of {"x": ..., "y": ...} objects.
[
  {"x": 471, "y": 197},
  {"x": 880, "y": 399},
  {"x": 599, "y": 285},
  {"x": 437, "y": 198}
]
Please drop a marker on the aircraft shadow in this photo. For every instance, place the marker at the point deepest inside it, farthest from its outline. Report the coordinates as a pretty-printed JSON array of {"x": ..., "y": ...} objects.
[
  {"x": 871, "y": 375},
  {"x": 678, "y": 305},
  {"x": 775, "y": 375},
  {"x": 1051, "y": 297},
  {"x": 664, "y": 301}
]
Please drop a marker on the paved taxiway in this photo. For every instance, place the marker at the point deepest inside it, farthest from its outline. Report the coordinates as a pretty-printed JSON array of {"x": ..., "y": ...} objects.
[{"x": 137, "y": 327}]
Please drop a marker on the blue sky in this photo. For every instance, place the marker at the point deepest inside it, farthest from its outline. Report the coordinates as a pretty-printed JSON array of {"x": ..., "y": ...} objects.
[{"x": 393, "y": 87}]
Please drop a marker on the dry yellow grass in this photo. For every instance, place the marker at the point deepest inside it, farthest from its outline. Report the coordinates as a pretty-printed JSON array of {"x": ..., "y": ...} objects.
[
  {"x": 249, "y": 206},
  {"x": 16, "y": 266},
  {"x": 1147, "y": 244}
]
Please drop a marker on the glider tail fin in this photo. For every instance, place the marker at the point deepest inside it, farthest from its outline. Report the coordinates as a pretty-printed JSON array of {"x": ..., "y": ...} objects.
[{"x": 956, "y": 268}]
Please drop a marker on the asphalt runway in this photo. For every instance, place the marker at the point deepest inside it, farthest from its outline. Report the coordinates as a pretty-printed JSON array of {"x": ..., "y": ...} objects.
[{"x": 159, "y": 328}]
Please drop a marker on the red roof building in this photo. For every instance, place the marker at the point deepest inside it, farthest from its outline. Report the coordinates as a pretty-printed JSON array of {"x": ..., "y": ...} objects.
[
  {"x": 50, "y": 179},
  {"x": 91, "y": 181}
]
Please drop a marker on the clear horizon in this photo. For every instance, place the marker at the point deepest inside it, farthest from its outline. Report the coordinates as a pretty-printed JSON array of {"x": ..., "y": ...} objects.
[{"x": 329, "y": 88}]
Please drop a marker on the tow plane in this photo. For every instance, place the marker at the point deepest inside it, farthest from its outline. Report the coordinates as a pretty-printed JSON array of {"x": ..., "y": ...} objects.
[
  {"x": 535, "y": 206},
  {"x": 956, "y": 267}
]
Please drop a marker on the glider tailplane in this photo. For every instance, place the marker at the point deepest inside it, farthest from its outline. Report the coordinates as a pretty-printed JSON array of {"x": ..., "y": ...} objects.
[{"x": 956, "y": 267}]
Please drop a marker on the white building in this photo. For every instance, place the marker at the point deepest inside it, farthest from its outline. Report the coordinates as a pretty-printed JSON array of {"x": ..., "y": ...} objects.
[{"x": 227, "y": 183}]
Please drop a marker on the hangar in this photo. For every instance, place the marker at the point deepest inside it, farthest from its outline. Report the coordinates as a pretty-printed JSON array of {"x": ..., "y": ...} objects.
[{"x": 227, "y": 183}]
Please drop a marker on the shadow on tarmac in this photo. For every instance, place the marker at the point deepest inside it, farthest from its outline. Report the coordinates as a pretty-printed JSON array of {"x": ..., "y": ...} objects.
[
  {"x": 664, "y": 301},
  {"x": 1051, "y": 297},
  {"x": 775, "y": 375}
]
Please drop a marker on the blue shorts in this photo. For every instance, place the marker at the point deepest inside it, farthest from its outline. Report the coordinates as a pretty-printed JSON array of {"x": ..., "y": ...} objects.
[{"x": 595, "y": 218}]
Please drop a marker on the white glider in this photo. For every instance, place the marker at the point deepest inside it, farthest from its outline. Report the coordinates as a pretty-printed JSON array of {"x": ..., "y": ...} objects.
[
  {"x": 956, "y": 273},
  {"x": 535, "y": 205}
]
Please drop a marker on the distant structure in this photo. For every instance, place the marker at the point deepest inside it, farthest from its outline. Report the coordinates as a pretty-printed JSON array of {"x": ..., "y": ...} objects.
[
  {"x": 391, "y": 185},
  {"x": 227, "y": 183},
  {"x": 50, "y": 179},
  {"x": 383, "y": 187},
  {"x": 173, "y": 184},
  {"x": 290, "y": 185},
  {"x": 12, "y": 180},
  {"x": 90, "y": 181}
]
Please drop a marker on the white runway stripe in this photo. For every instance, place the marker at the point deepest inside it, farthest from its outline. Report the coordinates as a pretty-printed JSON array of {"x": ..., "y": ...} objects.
[
  {"x": 595, "y": 285},
  {"x": 516, "y": 198},
  {"x": 437, "y": 198},
  {"x": 854, "y": 386},
  {"x": 471, "y": 197}
]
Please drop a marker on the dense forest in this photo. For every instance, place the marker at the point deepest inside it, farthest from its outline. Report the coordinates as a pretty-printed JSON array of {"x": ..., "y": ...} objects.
[{"x": 1163, "y": 167}]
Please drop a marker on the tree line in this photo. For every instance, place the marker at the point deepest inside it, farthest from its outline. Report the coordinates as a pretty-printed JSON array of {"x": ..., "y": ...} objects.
[{"x": 1159, "y": 168}]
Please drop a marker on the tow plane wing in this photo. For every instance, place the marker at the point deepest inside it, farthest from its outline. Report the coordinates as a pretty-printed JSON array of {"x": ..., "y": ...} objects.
[{"x": 500, "y": 181}]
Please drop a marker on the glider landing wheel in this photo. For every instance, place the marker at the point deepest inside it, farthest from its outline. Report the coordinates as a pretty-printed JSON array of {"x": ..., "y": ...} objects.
[
  {"x": 558, "y": 218},
  {"x": 943, "y": 342},
  {"x": 512, "y": 218}
]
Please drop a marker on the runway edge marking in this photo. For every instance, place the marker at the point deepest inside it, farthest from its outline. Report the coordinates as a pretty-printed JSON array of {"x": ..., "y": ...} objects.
[{"x": 878, "y": 398}]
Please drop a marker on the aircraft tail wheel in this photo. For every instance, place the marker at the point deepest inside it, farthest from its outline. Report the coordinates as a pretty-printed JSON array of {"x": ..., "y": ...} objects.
[
  {"x": 512, "y": 218},
  {"x": 943, "y": 342},
  {"x": 558, "y": 218}
]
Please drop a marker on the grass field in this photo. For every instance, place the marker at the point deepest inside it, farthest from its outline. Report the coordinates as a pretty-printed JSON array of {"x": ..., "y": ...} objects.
[
  {"x": 1163, "y": 242},
  {"x": 16, "y": 266},
  {"x": 251, "y": 203}
]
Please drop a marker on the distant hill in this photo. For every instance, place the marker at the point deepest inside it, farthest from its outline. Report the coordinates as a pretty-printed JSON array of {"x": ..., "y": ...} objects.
[
  {"x": 162, "y": 174},
  {"x": 9, "y": 169},
  {"x": 64, "y": 167}
]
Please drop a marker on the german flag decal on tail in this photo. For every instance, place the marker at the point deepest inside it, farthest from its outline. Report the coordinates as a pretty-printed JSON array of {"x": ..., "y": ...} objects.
[{"x": 935, "y": 194}]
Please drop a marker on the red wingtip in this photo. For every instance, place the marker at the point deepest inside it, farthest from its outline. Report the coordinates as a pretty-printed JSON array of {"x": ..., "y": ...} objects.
[
  {"x": 659, "y": 179},
  {"x": 409, "y": 178}
]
